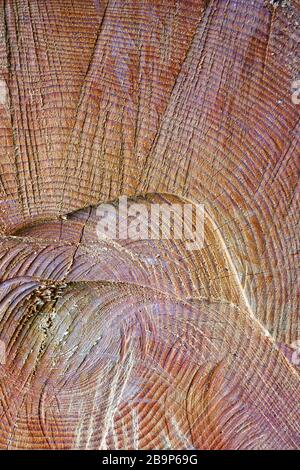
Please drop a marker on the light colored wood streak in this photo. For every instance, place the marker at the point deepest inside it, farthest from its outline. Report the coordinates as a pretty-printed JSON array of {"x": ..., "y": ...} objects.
[{"x": 123, "y": 344}]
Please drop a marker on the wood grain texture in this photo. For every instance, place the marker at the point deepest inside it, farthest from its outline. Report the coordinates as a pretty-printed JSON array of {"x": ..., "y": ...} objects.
[{"x": 144, "y": 344}]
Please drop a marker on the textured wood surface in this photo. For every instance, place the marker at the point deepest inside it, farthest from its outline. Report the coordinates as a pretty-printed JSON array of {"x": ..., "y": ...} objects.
[{"x": 144, "y": 344}]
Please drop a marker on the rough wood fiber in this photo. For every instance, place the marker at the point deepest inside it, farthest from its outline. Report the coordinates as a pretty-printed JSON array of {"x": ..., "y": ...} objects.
[{"x": 144, "y": 344}]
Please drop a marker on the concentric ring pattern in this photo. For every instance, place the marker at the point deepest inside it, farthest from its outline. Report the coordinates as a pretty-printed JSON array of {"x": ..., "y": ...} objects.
[{"x": 144, "y": 344}]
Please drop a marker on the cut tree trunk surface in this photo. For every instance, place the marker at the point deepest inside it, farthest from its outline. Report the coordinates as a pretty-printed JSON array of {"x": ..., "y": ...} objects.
[{"x": 145, "y": 344}]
